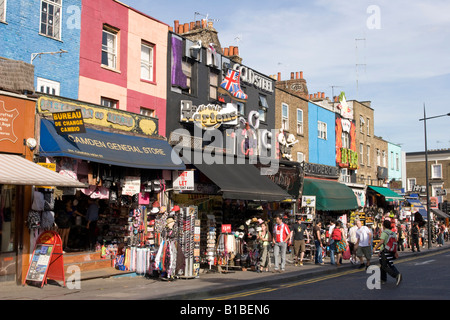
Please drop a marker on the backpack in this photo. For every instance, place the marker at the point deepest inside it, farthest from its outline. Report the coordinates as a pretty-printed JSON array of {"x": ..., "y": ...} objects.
[
  {"x": 336, "y": 234},
  {"x": 391, "y": 243}
]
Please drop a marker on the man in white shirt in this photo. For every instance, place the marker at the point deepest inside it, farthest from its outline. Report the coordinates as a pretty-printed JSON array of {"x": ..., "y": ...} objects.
[
  {"x": 351, "y": 243},
  {"x": 363, "y": 245}
]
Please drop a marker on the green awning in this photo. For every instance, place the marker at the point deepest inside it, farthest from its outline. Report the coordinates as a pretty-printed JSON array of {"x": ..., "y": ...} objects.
[
  {"x": 387, "y": 193},
  {"x": 330, "y": 195}
]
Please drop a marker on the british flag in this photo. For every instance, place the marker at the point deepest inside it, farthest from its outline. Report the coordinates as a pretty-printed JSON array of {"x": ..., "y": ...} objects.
[{"x": 231, "y": 85}]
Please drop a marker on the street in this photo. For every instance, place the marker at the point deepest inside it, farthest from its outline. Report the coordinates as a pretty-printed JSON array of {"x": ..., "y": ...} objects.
[{"x": 425, "y": 277}]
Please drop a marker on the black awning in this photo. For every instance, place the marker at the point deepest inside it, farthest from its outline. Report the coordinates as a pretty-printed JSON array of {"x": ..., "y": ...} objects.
[
  {"x": 440, "y": 213},
  {"x": 239, "y": 181}
]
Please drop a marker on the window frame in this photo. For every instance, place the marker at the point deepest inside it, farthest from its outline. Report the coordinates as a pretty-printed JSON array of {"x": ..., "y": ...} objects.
[
  {"x": 284, "y": 118},
  {"x": 361, "y": 153},
  {"x": 322, "y": 130},
  {"x": 213, "y": 87},
  {"x": 299, "y": 122},
  {"x": 408, "y": 182},
  {"x": 436, "y": 165},
  {"x": 55, "y": 85},
  {"x": 115, "y": 32},
  {"x": 149, "y": 64},
  {"x": 106, "y": 99},
  {"x": 57, "y": 5}
]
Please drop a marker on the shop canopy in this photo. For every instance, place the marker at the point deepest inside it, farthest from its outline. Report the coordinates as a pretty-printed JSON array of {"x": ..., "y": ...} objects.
[
  {"x": 110, "y": 148},
  {"x": 16, "y": 170},
  {"x": 440, "y": 213},
  {"x": 330, "y": 195},
  {"x": 387, "y": 193},
  {"x": 239, "y": 181},
  {"x": 418, "y": 206}
]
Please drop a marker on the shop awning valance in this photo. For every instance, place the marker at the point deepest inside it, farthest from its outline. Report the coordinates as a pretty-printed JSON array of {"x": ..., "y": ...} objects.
[
  {"x": 16, "y": 170},
  {"x": 387, "y": 193},
  {"x": 330, "y": 195},
  {"x": 240, "y": 181},
  {"x": 110, "y": 148},
  {"x": 418, "y": 206},
  {"x": 440, "y": 213}
]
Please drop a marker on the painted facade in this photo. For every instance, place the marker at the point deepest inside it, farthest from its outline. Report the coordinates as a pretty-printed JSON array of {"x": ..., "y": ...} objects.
[
  {"x": 322, "y": 143},
  {"x": 32, "y": 30}
]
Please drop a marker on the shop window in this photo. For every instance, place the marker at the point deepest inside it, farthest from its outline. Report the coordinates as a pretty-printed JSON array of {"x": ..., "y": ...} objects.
[
  {"x": 109, "y": 47},
  {"x": 3, "y": 10},
  {"x": 51, "y": 18},
  {"x": 147, "y": 62},
  {"x": 7, "y": 218}
]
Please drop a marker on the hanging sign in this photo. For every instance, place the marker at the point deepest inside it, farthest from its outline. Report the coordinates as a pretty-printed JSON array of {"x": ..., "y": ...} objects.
[
  {"x": 131, "y": 186},
  {"x": 47, "y": 260},
  {"x": 183, "y": 181},
  {"x": 309, "y": 201},
  {"x": 69, "y": 122}
]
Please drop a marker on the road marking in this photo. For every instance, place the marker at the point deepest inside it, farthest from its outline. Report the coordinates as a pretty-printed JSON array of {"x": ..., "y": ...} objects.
[
  {"x": 318, "y": 279},
  {"x": 422, "y": 263}
]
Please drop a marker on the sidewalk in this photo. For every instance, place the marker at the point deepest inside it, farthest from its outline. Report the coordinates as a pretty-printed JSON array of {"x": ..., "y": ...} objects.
[{"x": 101, "y": 285}]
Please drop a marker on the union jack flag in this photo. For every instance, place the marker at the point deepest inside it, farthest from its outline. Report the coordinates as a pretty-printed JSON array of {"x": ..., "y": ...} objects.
[{"x": 231, "y": 85}]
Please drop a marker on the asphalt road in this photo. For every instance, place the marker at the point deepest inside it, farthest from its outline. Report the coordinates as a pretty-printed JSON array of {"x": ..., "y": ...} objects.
[{"x": 426, "y": 277}]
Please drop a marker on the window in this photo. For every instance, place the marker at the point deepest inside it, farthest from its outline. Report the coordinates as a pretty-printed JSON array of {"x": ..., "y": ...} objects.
[
  {"x": 109, "y": 48},
  {"x": 378, "y": 157},
  {"x": 147, "y": 62},
  {"x": 345, "y": 140},
  {"x": 148, "y": 112},
  {"x": 110, "y": 103},
  {"x": 397, "y": 162},
  {"x": 48, "y": 86},
  {"x": 392, "y": 160},
  {"x": 361, "y": 152},
  {"x": 187, "y": 68},
  {"x": 240, "y": 108},
  {"x": 263, "y": 107},
  {"x": 213, "y": 84},
  {"x": 344, "y": 176},
  {"x": 322, "y": 130},
  {"x": 299, "y": 121},
  {"x": 411, "y": 184},
  {"x": 300, "y": 157},
  {"x": 436, "y": 171},
  {"x": 284, "y": 117},
  {"x": 262, "y": 114},
  {"x": 368, "y": 126},
  {"x": 51, "y": 18},
  {"x": 3, "y": 10},
  {"x": 384, "y": 158},
  {"x": 368, "y": 155},
  {"x": 361, "y": 124}
]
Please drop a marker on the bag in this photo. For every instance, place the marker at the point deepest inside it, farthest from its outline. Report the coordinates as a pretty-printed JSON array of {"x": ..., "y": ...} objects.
[
  {"x": 347, "y": 254},
  {"x": 336, "y": 234},
  {"x": 391, "y": 243},
  {"x": 34, "y": 219}
]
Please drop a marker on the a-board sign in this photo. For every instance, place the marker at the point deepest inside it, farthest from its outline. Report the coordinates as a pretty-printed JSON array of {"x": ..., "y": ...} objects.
[
  {"x": 69, "y": 122},
  {"x": 46, "y": 260}
]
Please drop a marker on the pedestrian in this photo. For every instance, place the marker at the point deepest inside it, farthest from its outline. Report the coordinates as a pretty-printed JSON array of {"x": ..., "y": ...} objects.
[
  {"x": 415, "y": 237},
  {"x": 340, "y": 242},
  {"x": 364, "y": 238},
  {"x": 298, "y": 236},
  {"x": 331, "y": 242},
  {"x": 318, "y": 259},
  {"x": 388, "y": 253},
  {"x": 352, "y": 242},
  {"x": 281, "y": 236},
  {"x": 401, "y": 238},
  {"x": 92, "y": 217},
  {"x": 441, "y": 235},
  {"x": 265, "y": 237}
]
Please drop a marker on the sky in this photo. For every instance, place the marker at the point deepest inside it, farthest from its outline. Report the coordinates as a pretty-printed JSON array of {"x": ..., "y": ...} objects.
[{"x": 395, "y": 54}]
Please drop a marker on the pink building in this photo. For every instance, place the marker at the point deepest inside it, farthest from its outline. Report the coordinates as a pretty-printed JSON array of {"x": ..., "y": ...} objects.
[{"x": 123, "y": 59}]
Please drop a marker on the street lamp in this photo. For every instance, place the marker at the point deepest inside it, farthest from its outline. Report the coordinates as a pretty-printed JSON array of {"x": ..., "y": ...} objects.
[{"x": 426, "y": 169}]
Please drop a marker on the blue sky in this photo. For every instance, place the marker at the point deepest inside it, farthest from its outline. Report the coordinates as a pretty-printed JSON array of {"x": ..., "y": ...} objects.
[{"x": 402, "y": 63}]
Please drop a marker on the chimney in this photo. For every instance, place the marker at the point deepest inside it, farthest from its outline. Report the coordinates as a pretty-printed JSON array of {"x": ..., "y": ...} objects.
[
  {"x": 180, "y": 29},
  {"x": 315, "y": 95},
  {"x": 279, "y": 76},
  {"x": 176, "y": 24},
  {"x": 192, "y": 25},
  {"x": 301, "y": 74},
  {"x": 231, "y": 50},
  {"x": 186, "y": 27},
  {"x": 292, "y": 75},
  {"x": 225, "y": 52},
  {"x": 198, "y": 24},
  {"x": 236, "y": 51}
]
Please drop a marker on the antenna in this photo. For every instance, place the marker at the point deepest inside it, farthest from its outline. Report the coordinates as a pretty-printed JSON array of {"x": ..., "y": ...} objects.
[
  {"x": 332, "y": 91},
  {"x": 358, "y": 64},
  {"x": 204, "y": 15}
]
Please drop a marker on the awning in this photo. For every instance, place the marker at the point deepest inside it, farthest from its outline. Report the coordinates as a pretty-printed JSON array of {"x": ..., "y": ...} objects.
[
  {"x": 440, "y": 213},
  {"x": 387, "y": 193},
  {"x": 240, "y": 181},
  {"x": 330, "y": 195},
  {"x": 110, "y": 148},
  {"x": 16, "y": 170},
  {"x": 418, "y": 206}
]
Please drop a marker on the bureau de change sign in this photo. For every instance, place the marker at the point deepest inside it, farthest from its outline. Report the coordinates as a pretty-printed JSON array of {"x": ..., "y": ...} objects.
[{"x": 69, "y": 122}]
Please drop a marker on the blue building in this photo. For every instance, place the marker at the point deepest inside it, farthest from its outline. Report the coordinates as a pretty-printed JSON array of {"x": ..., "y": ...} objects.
[
  {"x": 45, "y": 33},
  {"x": 394, "y": 162},
  {"x": 322, "y": 135}
]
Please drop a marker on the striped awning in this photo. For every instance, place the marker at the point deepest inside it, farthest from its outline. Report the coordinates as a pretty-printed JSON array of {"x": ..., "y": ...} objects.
[{"x": 15, "y": 170}]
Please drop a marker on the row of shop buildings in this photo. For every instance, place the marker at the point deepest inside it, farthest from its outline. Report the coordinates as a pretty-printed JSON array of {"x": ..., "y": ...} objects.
[{"x": 173, "y": 126}]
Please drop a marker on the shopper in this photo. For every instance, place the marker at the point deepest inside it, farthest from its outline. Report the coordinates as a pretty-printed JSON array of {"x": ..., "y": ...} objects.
[
  {"x": 363, "y": 244},
  {"x": 298, "y": 236},
  {"x": 388, "y": 253},
  {"x": 331, "y": 242},
  {"x": 401, "y": 238},
  {"x": 441, "y": 235},
  {"x": 318, "y": 259},
  {"x": 265, "y": 237},
  {"x": 340, "y": 241},
  {"x": 92, "y": 217},
  {"x": 415, "y": 232},
  {"x": 352, "y": 242},
  {"x": 281, "y": 236}
]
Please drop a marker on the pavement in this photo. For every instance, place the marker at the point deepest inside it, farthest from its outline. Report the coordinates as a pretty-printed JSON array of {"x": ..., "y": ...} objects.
[{"x": 111, "y": 284}]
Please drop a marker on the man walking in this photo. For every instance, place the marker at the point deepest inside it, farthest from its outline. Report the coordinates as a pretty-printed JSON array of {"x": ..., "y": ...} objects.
[
  {"x": 281, "y": 237},
  {"x": 298, "y": 235},
  {"x": 363, "y": 244}
]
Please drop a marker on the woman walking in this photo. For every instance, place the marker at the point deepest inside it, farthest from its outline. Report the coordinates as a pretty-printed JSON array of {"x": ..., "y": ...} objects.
[
  {"x": 265, "y": 238},
  {"x": 340, "y": 241}
]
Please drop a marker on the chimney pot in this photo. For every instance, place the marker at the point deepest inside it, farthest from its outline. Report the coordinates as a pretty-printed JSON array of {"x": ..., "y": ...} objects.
[
  {"x": 301, "y": 74},
  {"x": 292, "y": 75},
  {"x": 296, "y": 75},
  {"x": 176, "y": 24},
  {"x": 236, "y": 51},
  {"x": 315, "y": 95},
  {"x": 279, "y": 76},
  {"x": 192, "y": 25},
  {"x": 186, "y": 27},
  {"x": 225, "y": 52},
  {"x": 231, "y": 50},
  {"x": 180, "y": 29}
]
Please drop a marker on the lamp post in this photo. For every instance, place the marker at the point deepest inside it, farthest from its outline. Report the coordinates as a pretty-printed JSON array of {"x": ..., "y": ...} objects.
[{"x": 426, "y": 169}]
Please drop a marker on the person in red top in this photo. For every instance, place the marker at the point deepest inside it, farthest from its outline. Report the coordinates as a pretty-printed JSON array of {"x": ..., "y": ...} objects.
[{"x": 281, "y": 235}]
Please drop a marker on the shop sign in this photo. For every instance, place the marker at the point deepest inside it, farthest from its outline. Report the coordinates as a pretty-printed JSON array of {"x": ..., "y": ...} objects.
[
  {"x": 183, "y": 181},
  {"x": 309, "y": 201},
  {"x": 50, "y": 166},
  {"x": 322, "y": 170},
  {"x": 210, "y": 116},
  {"x": 131, "y": 185},
  {"x": 226, "y": 228},
  {"x": 101, "y": 116},
  {"x": 69, "y": 122},
  {"x": 7, "y": 118},
  {"x": 288, "y": 178},
  {"x": 254, "y": 78},
  {"x": 434, "y": 203}
]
